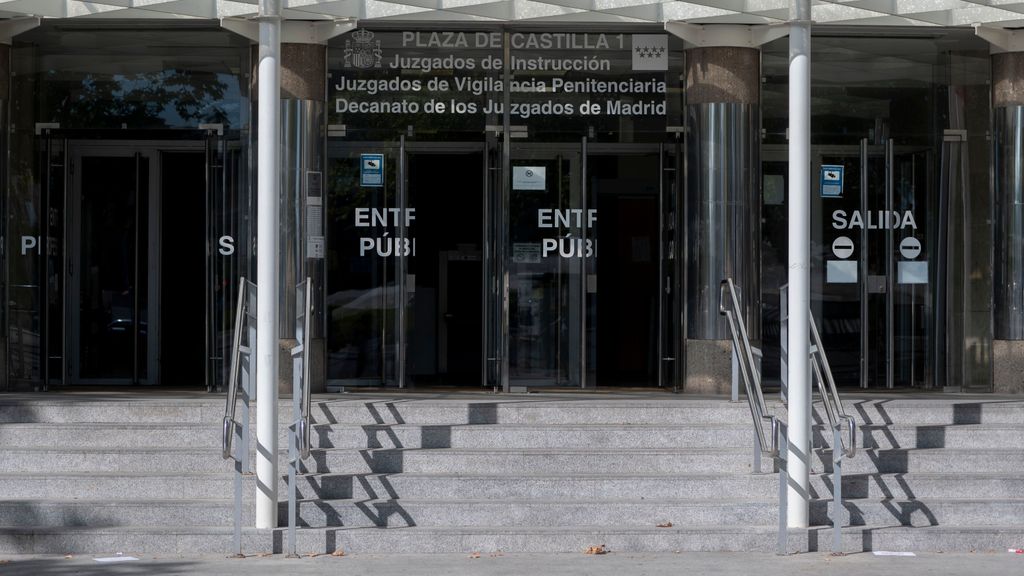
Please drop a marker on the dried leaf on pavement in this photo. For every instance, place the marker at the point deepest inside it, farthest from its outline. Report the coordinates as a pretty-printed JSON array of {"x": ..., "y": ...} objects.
[
  {"x": 665, "y": 525},
  {"x": 339, "y": 553},
  {"x": 474, "y": 555},
  {"x": 599, "y": 549}
]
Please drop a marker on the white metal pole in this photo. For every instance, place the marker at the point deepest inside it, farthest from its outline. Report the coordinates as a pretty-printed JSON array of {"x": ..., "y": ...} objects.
[
  {"x": 268, "y": 223},
  {"x": 799, "y": 393}
]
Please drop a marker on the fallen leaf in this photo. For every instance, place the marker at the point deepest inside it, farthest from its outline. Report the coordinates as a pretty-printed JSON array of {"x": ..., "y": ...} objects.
[
  {"x": 600, "y": 549},
  {"x": 264, "y": 554},
  {"x": 665, "y": 525},
  {"x": 68, "y": 556},
  {"x": 312, "y": 555},
  {"x": 339, "y": 553},
  {"x": 474, "y": 555}
]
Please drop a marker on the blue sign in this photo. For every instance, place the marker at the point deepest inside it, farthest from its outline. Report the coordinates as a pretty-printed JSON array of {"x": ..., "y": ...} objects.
[
  {"x": 371, "y": 170},
  {"x": 831, "y": 181}
]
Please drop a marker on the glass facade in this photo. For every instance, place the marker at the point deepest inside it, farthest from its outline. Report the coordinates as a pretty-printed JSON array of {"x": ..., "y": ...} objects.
[
  {"x": 474, "y": 257},
  {"x": 901, "y": 247},
  {"x": 126, "y": 175},
  {"x": 505, "y": 206}
]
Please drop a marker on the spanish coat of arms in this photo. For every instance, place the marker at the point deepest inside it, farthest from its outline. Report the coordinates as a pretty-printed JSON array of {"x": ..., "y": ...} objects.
[{"x": 362, "y": 51}]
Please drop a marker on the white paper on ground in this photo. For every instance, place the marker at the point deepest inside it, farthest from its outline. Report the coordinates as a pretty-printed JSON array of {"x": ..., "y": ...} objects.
[
  {"x": 885, "y": 553},
  {"x": 116, "y": 559}
]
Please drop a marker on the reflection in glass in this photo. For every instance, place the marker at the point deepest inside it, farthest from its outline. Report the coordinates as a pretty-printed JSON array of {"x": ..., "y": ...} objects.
[{"x": 361, "y": 302}]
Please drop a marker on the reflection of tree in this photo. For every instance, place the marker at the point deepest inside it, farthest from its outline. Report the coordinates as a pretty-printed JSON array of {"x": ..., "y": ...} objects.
[{"x": 144, "y": 99}]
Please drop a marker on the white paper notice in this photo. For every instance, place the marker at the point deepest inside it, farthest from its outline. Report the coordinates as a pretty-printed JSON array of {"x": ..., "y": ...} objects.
[{"x": 116, "y": 559}]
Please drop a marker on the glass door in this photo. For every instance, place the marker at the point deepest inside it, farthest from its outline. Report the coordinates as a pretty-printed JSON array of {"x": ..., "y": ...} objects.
[
  {"x": 632, "y": 280},
  {"x": 873, "y": 293},
  {"x": 592, "y": 249},
  {"x": 551, "y": 278},
  {"x": 110, "y": 271},
  {"x": 49, "y": 247},
  {"x": 366, "y": 223},
  {"x": 444, "y": 194}
]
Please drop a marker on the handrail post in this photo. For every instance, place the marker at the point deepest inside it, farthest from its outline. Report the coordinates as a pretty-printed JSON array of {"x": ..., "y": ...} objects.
[
  {"x": 302, "y": 391},
  {"x": 783, "y": 538},
  {"x": 743, "y": 354},
  {"x": 230, "y": 425},
  {"x": 735, "y": 395},
  {"x": 837, "y": 491}
]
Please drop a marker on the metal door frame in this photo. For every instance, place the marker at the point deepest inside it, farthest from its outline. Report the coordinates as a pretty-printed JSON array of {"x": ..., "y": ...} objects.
[
  {"x": 585, "y": 149},
  {"x": 400, "y": 149},
  {"x": 150, "y": 149},
  {"x": 866, "y": 152}
]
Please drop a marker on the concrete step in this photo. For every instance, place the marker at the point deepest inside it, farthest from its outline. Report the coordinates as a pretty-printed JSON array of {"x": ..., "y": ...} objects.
[
  {"x": 99, "y": 435},
  {"x": 374, "y": 436},
  {"x": 740, "y": 435},
  {"x": 570, "y": 539},
  {"x": 131, "y": 540},
  {"x": 959, "y": 512},
  {"x": 106, "y": 485},
  {"x": 511, "y": 409},
  {"x": 933, "y": 412},
  {"x": 932, "y": 460},
  {"x": 922, "y": 485},
  {"x": 529, "y": 436},
  {"x": 538, "y": 461},
  {"x": 123, "y": 512},
  {"x": 639, "y": 513},
  {"x": 220, "y": 485},
  {"x": 652, "y": 487},
  {"x": 385, "y": 409},
  {"x": 583, "y": 487},
  {"x": 954, "y": 436},
  {"x": 466, "y": 540},
  {"x": 77, "y": 409},
  {"x": 509, "y": 512},
  {"x": 132, "y": 460},
  {"x": 669, "y": 410}
]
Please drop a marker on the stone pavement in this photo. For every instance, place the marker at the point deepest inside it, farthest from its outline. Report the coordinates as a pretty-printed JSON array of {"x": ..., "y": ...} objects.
[{"x": 611, "y": 564}]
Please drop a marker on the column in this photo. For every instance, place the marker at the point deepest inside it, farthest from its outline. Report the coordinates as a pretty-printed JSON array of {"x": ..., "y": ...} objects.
[
  {"x": 303, "y": 78},
  {"x": 722, "y": 97},
  {"x": 722, "y": 106},
  {"x": 1008, "y": 247},
  {"x": 292, "y": 61},
  {"x": 303, "y": 121},
  {"x": 1008, "y": 195}
]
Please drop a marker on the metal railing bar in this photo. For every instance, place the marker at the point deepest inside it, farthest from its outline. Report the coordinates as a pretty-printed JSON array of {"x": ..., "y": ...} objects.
[
  {"x": 307, "y": 389},
  {"x": 299, "y": 433},
  {"x": 830, "y": 394},
  {"x": 230, "y": 424},
  {"x": 228, "y": 431},
  {"x": 744, "y": 353},
  {"x": 751, "y": 377}
]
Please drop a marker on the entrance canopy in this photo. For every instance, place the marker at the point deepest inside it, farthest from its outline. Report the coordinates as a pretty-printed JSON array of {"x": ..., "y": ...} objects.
[{"x": 1001, "y": 13}]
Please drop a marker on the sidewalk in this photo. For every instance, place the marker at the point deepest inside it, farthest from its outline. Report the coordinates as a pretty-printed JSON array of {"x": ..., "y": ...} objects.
[{"x": 612, "y": 564}]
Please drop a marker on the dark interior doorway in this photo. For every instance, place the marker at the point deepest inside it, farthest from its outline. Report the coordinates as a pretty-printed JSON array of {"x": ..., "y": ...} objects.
[
  {"x": 182, "y": 276},
  {"x": 444, "y": 338},
  {"x": 626, "y": 189}
]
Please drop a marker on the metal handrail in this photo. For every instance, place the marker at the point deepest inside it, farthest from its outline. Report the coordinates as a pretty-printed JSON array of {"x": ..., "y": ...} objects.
[
  {"x": 830, "y": 394},
  {"x": 751, "y": 376},
  {"x": 229, "y": 425},
  {"x": 306, "y": 389}
]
